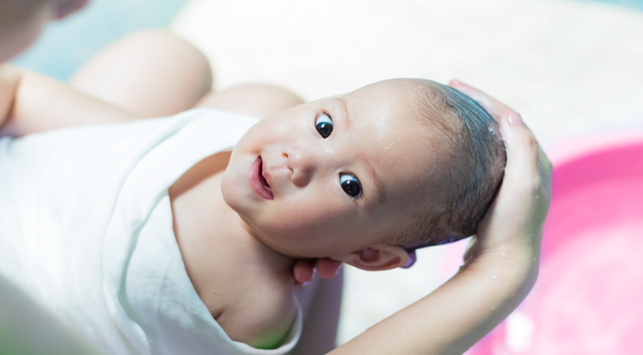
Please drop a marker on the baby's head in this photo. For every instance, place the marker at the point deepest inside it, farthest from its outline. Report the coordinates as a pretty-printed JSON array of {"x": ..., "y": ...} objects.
[
  {"x": 22, "y": 20},
  {"x": 471, "y": 168},
  {"x": 367, "y": 176}
]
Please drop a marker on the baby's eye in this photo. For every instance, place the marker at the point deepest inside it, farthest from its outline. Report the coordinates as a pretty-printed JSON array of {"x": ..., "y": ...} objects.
[
  {"x": 350, "y": 185},
  {"x": 324, "y": 125}
]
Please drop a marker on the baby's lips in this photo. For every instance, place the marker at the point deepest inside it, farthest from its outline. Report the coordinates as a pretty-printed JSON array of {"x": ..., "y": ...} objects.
[
  {"x": 257, "y": 180},
  {"x": 266, "y": 175}
]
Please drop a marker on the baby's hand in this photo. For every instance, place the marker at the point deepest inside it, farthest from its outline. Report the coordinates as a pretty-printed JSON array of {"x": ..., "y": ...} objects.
[{"x": 514, "y": 221}]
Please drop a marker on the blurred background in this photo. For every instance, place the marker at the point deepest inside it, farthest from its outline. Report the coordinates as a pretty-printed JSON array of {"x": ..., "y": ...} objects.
[{"x": 572, "y": 68}]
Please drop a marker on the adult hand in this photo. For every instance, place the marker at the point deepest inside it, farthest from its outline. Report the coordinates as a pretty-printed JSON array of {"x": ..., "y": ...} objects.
[
  {"x": 304, "y": 268},
  {"x": 500, "y": 268},
  {"x": 515, "y": 219}
]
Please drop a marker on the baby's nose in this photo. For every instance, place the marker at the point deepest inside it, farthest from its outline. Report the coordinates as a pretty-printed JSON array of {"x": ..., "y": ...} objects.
[{"x": 303, "y": 164}]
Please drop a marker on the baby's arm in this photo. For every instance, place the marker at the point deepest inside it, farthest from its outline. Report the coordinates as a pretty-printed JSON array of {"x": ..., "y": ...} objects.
[
  {"x": 499, "y": 270},
  {"x": 30, "y": 102}
]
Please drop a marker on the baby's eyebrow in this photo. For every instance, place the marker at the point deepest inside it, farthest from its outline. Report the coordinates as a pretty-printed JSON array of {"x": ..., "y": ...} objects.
[{"x": 347, "y": 118}]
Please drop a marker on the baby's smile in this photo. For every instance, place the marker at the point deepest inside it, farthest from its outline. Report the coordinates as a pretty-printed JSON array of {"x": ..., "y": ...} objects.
[
  {"x": 265, "y": 176},
  {"x": 258, "y": 180}
]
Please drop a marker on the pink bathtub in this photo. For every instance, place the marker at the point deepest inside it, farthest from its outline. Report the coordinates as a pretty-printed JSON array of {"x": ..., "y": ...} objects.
[{"x": 589, "y": 295}]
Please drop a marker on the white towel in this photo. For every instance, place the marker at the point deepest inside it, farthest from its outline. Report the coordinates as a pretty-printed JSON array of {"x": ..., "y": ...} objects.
[{"x": 86, "y": 229}]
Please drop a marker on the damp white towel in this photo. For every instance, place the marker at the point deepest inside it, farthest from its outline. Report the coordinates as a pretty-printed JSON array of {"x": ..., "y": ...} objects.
[{"x": 86, "y": 229}]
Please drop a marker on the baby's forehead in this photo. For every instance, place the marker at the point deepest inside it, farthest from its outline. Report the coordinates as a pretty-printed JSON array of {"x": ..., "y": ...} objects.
[
  {"x": 412, "y": 98},
  {"x": 399, "y": 88},
  {"x": 414, "y": 115}
]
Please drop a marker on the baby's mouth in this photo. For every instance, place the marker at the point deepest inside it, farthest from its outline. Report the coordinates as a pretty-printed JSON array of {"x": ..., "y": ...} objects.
[
  {"x": 262, "y": 177},
  {"x": 259, "y": 180}
]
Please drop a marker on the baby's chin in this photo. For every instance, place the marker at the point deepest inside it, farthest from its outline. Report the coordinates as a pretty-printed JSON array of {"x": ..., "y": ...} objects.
[{"x": 232, "y": 192}]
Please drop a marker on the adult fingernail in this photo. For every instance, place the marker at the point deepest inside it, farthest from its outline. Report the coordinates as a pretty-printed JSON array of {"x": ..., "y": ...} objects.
[{"x": 515, "y": 119}]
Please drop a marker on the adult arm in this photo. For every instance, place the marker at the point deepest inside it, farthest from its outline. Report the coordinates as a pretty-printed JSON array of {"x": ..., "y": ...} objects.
[
  {"x": 30, "y": 103},
  {"x": 500, "y": 268}
]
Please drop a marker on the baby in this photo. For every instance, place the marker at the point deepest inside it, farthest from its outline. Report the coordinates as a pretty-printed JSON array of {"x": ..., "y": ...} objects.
[
  {"x": 359, "y": 178},
  {"x": 362, "y": 178}
]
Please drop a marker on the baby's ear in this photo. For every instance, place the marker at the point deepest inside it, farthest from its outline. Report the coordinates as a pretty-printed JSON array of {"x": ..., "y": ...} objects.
[{"x": 376, "y": 258}]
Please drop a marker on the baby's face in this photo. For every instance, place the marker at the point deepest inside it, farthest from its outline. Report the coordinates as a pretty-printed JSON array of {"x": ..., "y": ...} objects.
[{"x": 335, "y": 175}]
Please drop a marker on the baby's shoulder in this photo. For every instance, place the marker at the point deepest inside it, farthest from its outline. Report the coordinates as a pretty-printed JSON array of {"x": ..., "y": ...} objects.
[{"x": 261, "y": 310}]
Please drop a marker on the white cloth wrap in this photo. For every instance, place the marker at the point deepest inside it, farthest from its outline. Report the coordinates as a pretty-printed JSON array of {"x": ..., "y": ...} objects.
[{"x": 86, "y": 229}]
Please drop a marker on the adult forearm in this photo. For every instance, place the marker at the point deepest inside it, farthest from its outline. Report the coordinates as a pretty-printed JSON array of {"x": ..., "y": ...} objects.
[
  {"x": 483, "y": 293},
  {"x": 458, "y": 314}
]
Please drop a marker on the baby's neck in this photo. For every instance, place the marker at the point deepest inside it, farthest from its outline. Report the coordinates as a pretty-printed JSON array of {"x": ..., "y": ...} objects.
[{"x": 215, "y": 244}]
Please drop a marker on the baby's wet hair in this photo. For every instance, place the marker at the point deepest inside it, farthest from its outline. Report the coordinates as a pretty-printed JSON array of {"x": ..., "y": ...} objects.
[{"x": 470, "y": 170}]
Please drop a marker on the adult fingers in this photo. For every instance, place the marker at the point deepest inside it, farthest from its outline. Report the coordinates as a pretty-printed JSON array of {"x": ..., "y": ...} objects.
[
  {"x": 528, "y": 172},
  {"x": 496, "y": 108},
  {"x": 328, "y": 268},
  {"x": 523, "y": 135},
  {"x": 522, "y": 148},
  {"x": 519, "y": 210},
  {"x": 303, "y": 271}
]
